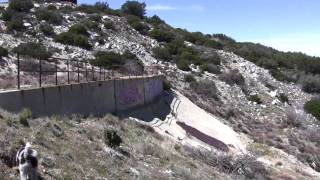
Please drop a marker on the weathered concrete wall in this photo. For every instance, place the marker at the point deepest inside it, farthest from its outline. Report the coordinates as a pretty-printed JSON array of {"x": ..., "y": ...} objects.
[{"x": 96, "y": 98}]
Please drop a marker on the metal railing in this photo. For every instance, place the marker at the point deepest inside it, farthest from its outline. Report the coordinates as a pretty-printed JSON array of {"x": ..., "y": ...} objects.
[{"x": 85, "y": 72}]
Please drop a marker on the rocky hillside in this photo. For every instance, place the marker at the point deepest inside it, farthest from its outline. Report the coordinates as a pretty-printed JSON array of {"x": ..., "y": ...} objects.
[{"x": 228, "y": 117}]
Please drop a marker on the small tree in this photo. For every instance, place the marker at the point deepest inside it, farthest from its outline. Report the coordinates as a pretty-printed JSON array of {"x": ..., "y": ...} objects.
[
  {"x": 3, "y": 52},
  {"x": 162, "y": 53},
  {"x": 313, "y": 107},
  {"x": 31, "y": 49},
  {"x": 21, "y": 5},
  {"x": 46, "y": 29},
  {"x": 134, "y": 8}
]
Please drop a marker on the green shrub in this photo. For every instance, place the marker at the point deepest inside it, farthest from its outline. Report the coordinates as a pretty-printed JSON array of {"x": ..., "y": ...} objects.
[
  {"x": 184, "y": 65},
  {"x": 283, "y": 98},
  {"x": 134, "y": 8},
  {"x": 162, "y": 35},
  {"x": 16, "y": 24},
  {"x": 8, "y": 14},
  {"x": 189, "y": 78},
  {"x": 111, "y": 138},
  {"x": 21, "y": 5},
  {"x": 311, "y": 83},
  {"x": 79, "y": 29},
  {"x": 109, "y": 25},
  {"x": 255, "y": 98},
  {"x": 92, "y": 25},
  {"x": 34, "y": 50},
  {"x": 213, "y": 44},
  {"x": 52, "y": 17},
  {"x": 24, "y": 116},
  {"x": 95, "y": 17},
  {"x": 211, "y": 68},
  {"x": 98, "y": 7},
  {"x": 136, "y": 23},
  {"x": 233, "y": 77},
  {"x": 155, "y": 20},
  {"x": 109, "y": 60},
  {"x": 3, "y": 52},
  {"x": 167, "y": 86},
  {"x": 46, "y": 29},
  {"x": 162, "y": 53},
  {"x": 313, "y": 107},
  {"x": 74, "y": 40},
  {"x": 206, "y": 89}
]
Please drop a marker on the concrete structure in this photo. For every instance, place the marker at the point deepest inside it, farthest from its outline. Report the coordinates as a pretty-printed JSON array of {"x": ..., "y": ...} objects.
[{"x": 93, "y": 98}]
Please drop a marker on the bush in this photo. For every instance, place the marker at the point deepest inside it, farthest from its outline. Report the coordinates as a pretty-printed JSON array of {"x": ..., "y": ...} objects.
[
  {"x": 284, "y": 98},
  {"x": 313, "y": 107},
  {"x": 255, "y": 98},
  {"x": 21, "y": 5},
  {"x": 34, "y": 50},
  {"x": 98, "y": 7},
  {"x": 79, "y": 29},
  {"x": 50, "y": 16},
  {"x": 24, "y": 116},
  {"x": 92, "y": 25},
  {"x": 155, "y": 20},
  {"x": 46, "y": 29},
  {"x": 294, "y": 118},
  {"x": 184, "y": 65},
  {"x": 206, "y": 89},
  {"x": 16, "y": 24},
  {"x": 213, "y": 44},
  {"x": 111, "y": 138},
  {"x": 189, "y": 78},
  {"x": 311, "y": 84},
  {"x": 233, "y": 77},
  {"x": 162, "y": 35},
  {"x": 162, "y": 53},
  {"x": 109, "y": 25},
  {"x": 3, "y": 52},
  {"x": 211, "y": 68},
  {"x": 74, "y": 40},
  {"x": 95, "y": 17},
  {"x": 134, "y": 8},
  {"x": 111, "y": 60},
  {"x": 167, "y": 86},
  {"x": 136, "y": 24}
]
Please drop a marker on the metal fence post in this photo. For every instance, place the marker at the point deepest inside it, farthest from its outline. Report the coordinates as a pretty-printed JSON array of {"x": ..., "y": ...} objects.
[{"x": 18, "y": 75}]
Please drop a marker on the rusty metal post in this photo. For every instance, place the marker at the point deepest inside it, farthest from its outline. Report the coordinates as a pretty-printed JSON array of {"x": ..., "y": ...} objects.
[
  {"x": 40, "y": 73},
  {"x": 18, "y": 75},
  {"x": 56, "y": 61},
  {"x": 68, "y": 71}
]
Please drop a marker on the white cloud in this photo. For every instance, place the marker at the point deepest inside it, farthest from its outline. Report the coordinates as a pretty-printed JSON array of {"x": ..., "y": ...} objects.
[
  {"x": 161, "y": 7},
  {"x": 308, "y": 43}
]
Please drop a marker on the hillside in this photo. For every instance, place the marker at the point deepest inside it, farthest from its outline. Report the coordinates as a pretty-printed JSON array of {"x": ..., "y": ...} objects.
[{"x": 234, "y": 111}]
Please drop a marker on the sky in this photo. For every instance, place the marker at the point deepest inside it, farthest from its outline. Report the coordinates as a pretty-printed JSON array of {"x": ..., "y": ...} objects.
[{"x": 287, "y": 25}]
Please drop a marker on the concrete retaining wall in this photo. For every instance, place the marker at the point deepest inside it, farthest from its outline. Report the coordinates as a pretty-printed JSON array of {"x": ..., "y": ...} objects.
[{"x": 96, "y": 98}]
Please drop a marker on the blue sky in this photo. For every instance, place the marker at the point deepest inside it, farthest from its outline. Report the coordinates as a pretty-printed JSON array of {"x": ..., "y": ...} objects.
[{"x": 289, "y": 25}]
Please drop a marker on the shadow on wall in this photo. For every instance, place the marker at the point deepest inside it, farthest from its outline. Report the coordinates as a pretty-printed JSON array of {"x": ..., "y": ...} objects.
[{"x": 159, "y": 108}]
